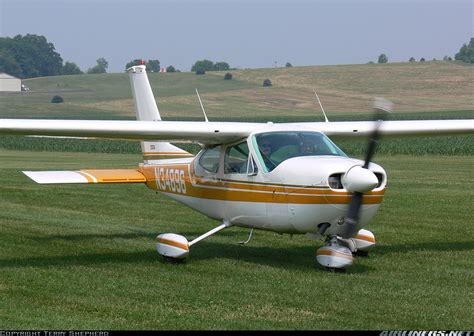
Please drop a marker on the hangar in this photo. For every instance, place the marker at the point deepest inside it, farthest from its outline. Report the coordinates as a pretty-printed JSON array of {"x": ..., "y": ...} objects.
[{"x": 9, "y": 83}]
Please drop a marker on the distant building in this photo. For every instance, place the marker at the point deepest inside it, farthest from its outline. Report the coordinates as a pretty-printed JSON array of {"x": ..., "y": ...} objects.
[{"x": 9, "y": 83}]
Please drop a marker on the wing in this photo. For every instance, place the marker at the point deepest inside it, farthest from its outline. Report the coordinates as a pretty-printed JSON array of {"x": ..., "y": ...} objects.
[
  {"x": 87, "y": 176},
  {"x": 396, "y": 127},
  {"x": 218, "y": 132},
  {"x": 170, "y": 131}
]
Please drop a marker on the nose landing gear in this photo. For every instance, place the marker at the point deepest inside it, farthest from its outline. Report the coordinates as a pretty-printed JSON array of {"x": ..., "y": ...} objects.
[{"x": 338, "y": 254}]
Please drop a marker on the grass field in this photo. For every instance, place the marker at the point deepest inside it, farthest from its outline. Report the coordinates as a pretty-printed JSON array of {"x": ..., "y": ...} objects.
[
  {"x": 81, "y": 257},
  {"x": 346, "y": 92}
]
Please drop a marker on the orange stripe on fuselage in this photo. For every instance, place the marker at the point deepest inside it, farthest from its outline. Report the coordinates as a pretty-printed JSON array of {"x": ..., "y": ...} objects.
[{"x": 232, "y": 190}]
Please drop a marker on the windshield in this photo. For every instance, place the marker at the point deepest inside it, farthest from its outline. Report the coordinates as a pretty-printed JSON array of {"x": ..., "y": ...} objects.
[{"x": 275, "y": 147}]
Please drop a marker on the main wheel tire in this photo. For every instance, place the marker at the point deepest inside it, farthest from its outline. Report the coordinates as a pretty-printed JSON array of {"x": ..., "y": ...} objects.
[
  {"x": 170, "y": 260},
  {"x": 335, "y": 270},
  {"x": 360, "y": 253}
]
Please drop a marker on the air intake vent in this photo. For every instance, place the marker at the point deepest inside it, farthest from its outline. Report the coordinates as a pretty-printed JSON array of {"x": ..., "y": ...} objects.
[
  {"x": 335, "y": 181},
  {"x": 380, "y": 178}
]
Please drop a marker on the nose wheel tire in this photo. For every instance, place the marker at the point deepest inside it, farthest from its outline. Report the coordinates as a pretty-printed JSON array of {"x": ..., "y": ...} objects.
[
  {"x": 361, "y": 253},
  {"x": 336, "y": 270}
]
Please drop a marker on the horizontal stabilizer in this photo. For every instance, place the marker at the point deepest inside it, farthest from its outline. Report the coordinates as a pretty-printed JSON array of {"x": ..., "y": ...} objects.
[{"x": 87, "y": 176}]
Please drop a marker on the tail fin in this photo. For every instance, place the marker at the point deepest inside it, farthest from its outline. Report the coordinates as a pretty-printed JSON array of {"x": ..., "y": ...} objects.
[{"x": 146, "y": 109}]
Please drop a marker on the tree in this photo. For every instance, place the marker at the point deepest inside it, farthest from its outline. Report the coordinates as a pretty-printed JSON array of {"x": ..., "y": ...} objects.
[
  {"x": 153, "y": 66},
  {"x": 447, "y": 58},
  {"x": 208, "y": 65},
  {"x": 422, "y": 59},
  {"x": 9, "y": 65},
  {"x": 33, "y": 55},
  {"x": 100, "y": 67},
  {"x": 221, "y": 66},
  {"x": 466, "y": 53},
  {"x": 383, "y": 58},
  {"x": 204, "y": 64},
  {"x": 412, "y": 59},
  {"x": 57, "y": 100},
  {"x": 288, "y": 65},
  {"x": 228, "y": 76},
  {"x": 170, "y": 69},
  {"x": 70, "y": 68},
  {"x": 267, "y": 82},
  {"x": 133, "y": 63}
]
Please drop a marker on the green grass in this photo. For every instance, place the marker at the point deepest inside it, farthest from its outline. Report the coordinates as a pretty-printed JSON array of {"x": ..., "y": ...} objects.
[{"x": 82, "y": 257}]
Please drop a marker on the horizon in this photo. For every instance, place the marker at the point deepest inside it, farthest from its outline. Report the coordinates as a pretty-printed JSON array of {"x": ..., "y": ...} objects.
[{"x": 243, "y": 33}]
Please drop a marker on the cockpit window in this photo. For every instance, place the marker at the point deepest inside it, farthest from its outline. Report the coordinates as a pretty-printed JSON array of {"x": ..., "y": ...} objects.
[
  {"x": 276, "y": 147},
  {"x": 236, "y": 159},
  {"x": 209, "y": 160}
]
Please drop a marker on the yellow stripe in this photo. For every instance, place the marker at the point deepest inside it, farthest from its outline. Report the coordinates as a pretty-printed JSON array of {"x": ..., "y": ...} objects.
[
  {"x": 173, "y": 243},
  {"x": 89, "y": 179},
  {"x": 366, "y": 238},
  {"x": 114, "y": 175},
  {"x": 333, "y": 254},
  {"x": 261, "y": 192}
]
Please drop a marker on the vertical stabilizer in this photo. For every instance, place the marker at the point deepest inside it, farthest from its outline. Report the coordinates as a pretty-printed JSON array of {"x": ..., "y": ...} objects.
[{"x": 147, "y": 110}]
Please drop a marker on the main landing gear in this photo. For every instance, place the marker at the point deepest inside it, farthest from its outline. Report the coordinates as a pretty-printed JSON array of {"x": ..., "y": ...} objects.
[
  {"x": 175, "y": 248},
  {"x": 338, "y": 254}
]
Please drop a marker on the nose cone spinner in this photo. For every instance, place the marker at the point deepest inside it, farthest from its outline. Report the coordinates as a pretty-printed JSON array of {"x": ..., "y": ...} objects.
[{"x": 359, "y": 179}]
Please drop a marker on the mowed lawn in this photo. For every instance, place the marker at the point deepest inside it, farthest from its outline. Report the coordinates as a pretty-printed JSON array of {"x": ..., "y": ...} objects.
[{"x": 83, "y": 257}]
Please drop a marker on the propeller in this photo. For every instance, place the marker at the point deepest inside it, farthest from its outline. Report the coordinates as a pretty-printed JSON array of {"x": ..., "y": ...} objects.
[{"x": 361, "y": 179}]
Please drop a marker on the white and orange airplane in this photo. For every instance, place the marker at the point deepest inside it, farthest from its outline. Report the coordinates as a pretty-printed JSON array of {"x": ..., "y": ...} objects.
[{"x": 286, "y": 178}]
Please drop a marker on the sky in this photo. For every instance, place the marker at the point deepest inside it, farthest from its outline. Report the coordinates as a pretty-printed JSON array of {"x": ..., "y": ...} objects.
[{"x": 243, "y": 33}]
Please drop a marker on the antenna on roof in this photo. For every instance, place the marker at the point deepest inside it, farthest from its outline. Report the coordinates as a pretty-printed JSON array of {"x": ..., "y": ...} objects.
[
  {"x": 202, "y": 107},
  {"x": 319, "y": 101}
]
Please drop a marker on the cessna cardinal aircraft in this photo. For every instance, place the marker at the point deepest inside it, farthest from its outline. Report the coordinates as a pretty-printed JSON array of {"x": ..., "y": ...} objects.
[{"x": 287, "y": 178}]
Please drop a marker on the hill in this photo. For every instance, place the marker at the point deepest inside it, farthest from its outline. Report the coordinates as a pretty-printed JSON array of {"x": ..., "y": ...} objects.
[{"x": 345, "y": 90}]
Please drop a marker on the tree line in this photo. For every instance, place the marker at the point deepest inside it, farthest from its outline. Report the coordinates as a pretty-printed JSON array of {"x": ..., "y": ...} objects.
[
  {"x": 33, "y": 56},
  {"x": 465, "y": 54}
]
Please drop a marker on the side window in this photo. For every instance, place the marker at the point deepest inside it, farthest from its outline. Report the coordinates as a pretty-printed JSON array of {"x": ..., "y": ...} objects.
[
  {"x": 236, "y": 159},
  {"x": 209, "y": 160}
]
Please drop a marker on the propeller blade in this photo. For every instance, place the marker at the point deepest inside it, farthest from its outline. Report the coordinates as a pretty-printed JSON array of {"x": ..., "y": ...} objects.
[
  {"x": 381, "y": 107},
  {"x": 352, "y": 217}
]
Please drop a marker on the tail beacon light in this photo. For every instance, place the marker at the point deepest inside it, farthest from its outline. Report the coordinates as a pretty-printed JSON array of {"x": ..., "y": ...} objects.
[{"x": 172, "y": 245}]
